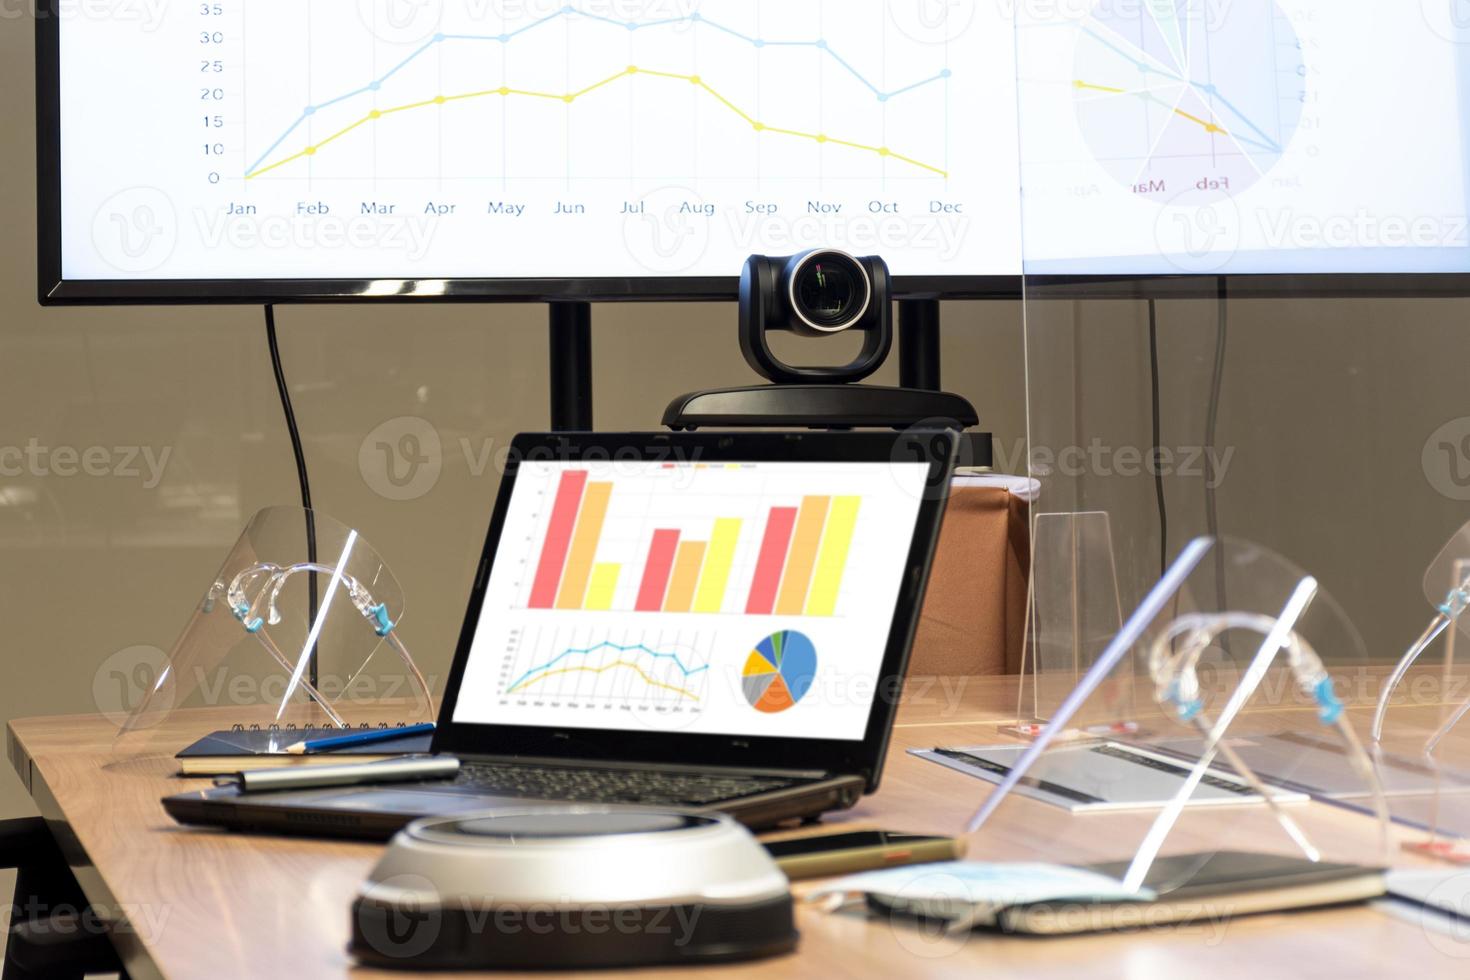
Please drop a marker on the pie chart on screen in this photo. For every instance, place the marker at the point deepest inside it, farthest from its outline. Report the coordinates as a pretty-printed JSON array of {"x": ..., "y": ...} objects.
[{"x": 779, "y": 671}]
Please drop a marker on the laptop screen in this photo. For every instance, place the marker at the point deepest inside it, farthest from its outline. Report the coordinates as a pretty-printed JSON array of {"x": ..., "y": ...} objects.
[{"x": 721, "y": 598}]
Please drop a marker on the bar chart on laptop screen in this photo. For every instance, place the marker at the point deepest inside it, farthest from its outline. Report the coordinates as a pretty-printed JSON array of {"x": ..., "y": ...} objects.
[
  {"x": 730, "y": 596},
  {"x": 794, "y": 553}
]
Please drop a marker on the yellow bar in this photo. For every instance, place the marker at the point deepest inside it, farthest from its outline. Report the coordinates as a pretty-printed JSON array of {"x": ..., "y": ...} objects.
[
  {"x": 717, "y": 561},
  {"x": 833, "y": 558},
  {"x": 686, "y": 572},
  {"x": 604, "y": 583},
  {"x": 584, "y": 546},
  {"x": 803, "y": 555}
]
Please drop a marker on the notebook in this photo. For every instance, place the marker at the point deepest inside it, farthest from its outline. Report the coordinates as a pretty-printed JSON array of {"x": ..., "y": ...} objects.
[
  {"x": 1187, "y": 888},
  {"x": 223, "y": 752}
]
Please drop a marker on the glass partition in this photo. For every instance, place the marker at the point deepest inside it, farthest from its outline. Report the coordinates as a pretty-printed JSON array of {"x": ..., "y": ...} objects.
[{"x": 1183, "y": 381}]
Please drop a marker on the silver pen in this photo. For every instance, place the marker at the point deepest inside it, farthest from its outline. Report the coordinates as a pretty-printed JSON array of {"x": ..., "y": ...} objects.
[{"x": 407, "y": 769}]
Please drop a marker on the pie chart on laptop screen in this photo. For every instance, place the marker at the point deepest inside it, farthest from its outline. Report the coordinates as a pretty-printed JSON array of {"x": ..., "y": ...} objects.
[{"x": 779, "y": 671}]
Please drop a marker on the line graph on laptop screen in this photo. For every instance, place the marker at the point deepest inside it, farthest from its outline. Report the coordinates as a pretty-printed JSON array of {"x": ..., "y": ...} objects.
[
  {"x": 661, "y": 667},
  {"x": 739, "y": 598}
]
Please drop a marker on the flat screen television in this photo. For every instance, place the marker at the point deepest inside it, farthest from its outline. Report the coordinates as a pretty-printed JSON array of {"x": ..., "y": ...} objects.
[{"x": 277, "y": 150}]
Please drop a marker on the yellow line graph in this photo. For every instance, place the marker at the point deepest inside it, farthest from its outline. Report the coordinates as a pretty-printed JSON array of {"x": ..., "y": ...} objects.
[
  {"x": 1209, "y": 126},
  {"x": 568, "y": 97},
  {"x": 598, "y": 670},
  {"x": 1079, "y": 83}
]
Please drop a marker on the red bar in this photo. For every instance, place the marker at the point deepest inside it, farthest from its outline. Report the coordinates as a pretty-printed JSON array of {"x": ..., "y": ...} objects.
[
  {"x": 558, "y": 538},
  {"x": 771, "y": 560},
  {"x": 656, "y": 572}
]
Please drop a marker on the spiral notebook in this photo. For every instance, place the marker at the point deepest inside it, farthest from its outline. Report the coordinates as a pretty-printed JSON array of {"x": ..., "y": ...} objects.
[{"x": 264, "y": 747}]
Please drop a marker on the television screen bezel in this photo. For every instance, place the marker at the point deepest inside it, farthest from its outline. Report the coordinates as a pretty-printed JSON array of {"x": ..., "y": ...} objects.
[{"x": 53, "y": 289}]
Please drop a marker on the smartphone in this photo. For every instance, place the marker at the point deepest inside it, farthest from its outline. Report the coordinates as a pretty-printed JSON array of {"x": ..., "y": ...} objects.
[{"x": 861, "y": 850}]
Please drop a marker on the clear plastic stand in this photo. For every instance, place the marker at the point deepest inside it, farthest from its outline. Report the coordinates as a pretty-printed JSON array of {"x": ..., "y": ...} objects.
[
  {"x": 1240, "y": 656},
  {"x": 1448, "y": 592},
  {"x": 298, "y": 630},
  {"x": 1420, "y": 712},
  {"x": 1073, "y": 614},
  {"x": 1443, "y": 811},
  {"x": 1454, "y": 712}
]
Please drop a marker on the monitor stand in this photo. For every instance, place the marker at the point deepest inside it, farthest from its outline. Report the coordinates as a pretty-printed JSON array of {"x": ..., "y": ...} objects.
[{"x": 570, "y": 343}]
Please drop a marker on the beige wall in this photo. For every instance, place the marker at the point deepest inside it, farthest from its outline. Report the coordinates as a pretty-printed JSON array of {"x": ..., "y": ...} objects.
[{"x": 1335, "y": 414}]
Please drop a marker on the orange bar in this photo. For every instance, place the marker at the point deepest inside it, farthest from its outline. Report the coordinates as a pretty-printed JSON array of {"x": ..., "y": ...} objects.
[
  {"x": 686, "y": 574},
  {"x": 584, "y": 546},
  {"x": 803, "y": 555}
]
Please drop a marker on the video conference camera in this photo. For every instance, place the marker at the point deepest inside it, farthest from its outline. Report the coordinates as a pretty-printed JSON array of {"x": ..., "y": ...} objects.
[{"x": 817, "y": 294}]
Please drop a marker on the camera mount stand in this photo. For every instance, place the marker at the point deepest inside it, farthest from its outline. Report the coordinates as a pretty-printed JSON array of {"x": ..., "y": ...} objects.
[
  {"x": 818, "y": 407},
  {"x": 799, "y": 403},
  {"x": 821, "y": 293}
]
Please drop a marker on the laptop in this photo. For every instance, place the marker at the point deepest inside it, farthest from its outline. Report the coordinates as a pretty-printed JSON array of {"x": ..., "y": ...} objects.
[{"x": 711, "y": 621}]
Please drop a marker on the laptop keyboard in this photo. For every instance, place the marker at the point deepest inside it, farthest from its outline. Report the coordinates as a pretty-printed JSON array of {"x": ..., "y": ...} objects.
[{"x": 611, "y": 785}]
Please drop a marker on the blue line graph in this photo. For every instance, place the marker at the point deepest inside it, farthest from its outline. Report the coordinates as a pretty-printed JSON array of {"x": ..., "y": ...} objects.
[
  {"x": 1172, "y": 101},
  {"x": 1206, "y": 87},
  {"x": 605, "y": 645},
  {"x": 568, "y": 12}
]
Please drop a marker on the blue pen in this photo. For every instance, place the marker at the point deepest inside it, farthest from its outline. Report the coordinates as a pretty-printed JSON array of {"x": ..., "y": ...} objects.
[{"x": 357, "y": 738}]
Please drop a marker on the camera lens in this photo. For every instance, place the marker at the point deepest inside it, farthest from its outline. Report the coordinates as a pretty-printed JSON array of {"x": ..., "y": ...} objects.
[{"x": 829, "y": 290}]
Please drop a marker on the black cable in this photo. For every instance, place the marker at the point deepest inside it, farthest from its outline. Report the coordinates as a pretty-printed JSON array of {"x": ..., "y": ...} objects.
[
  {"x": 1212, "y": 417},
  {"x": 1158, "y": 446},
  {"x": 301, "y": 477}
]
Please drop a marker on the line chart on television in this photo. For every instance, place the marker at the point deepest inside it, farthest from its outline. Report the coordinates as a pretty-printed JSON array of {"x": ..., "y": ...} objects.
[
  {"x": 1170, "y": 136},
  {"x": 407, "y": 146},
  {"x": 450, "y": 68},
  {"x": 499, "y": 138},
  {"x": 1168, "y": 95}
]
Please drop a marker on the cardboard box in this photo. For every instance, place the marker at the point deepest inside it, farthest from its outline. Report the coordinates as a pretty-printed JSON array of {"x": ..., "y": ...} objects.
[{"x": 974, "y": 615}]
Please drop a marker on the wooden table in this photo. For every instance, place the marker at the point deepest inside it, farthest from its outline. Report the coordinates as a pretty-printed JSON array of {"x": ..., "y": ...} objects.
[{"x": 203, "y": 904}]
